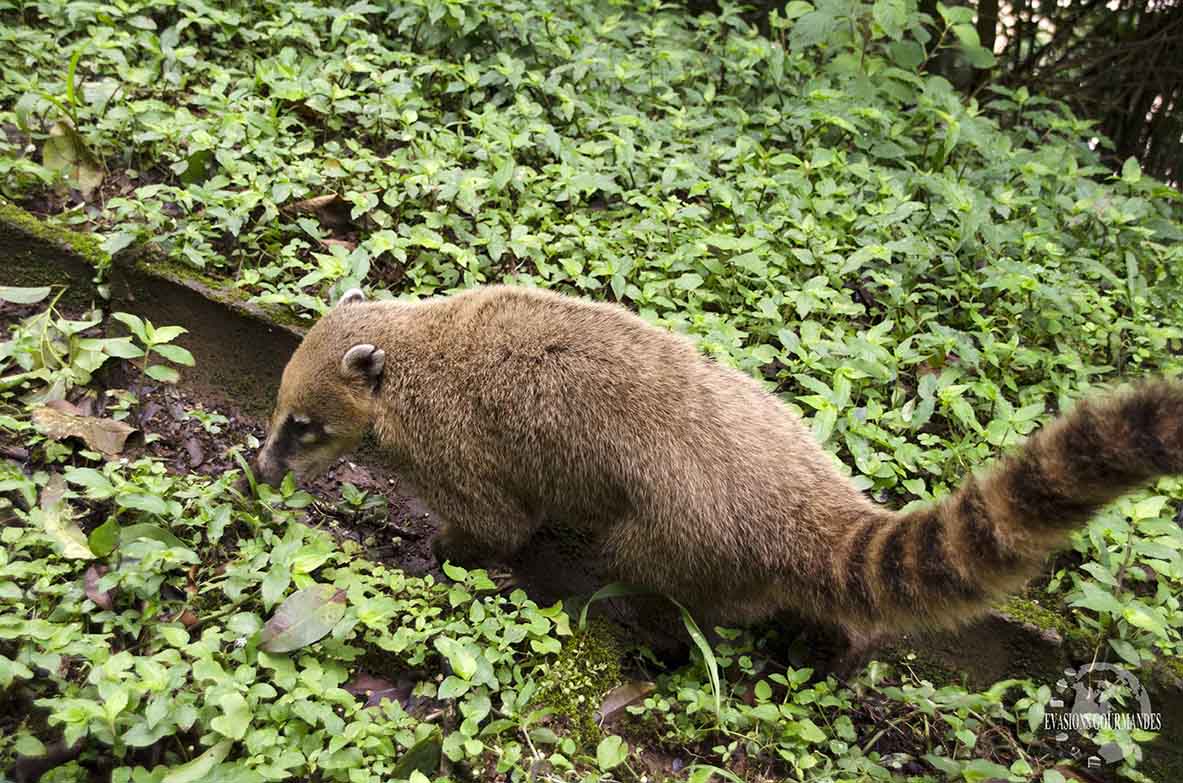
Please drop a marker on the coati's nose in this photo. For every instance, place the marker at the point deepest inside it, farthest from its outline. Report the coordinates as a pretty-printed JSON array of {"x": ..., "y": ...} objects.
[{"x": 266, "y": 470}]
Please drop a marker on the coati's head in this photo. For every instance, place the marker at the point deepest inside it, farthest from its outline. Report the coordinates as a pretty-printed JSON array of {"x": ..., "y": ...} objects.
[{"x": 326, "y": 398}]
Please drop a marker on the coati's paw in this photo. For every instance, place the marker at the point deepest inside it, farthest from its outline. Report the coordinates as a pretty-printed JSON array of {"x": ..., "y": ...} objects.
[{"x": 453, "y": 546}]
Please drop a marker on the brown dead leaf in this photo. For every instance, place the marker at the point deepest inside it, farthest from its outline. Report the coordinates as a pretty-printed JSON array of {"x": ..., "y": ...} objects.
[
  {"x": 101, "y": 598},
  {"x": 65, "y": 151},
  {"x": 620, "y": 697},
  {"x": 59, "y": 420},
  {"x": 196, "y": 454},
  {"x": 188, "y": 618},
  {"x": 375, "y": 689},
  {"x": 331, "y": 210},
  {"x": 57, "y": 518}
]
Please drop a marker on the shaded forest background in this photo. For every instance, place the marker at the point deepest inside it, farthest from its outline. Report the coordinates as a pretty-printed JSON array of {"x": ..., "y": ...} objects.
[{"x": 1118, "y": 63}]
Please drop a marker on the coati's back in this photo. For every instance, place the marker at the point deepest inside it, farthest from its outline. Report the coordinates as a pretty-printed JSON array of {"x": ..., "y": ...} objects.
[{"x": 510, "y": 407}]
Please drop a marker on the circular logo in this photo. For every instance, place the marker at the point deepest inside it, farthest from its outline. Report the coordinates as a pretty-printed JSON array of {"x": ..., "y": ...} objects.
[{"x": 1096, "y": 689}]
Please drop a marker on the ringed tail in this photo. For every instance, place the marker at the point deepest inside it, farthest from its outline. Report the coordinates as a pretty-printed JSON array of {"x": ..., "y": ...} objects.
[{"x": 940, "y": 565}]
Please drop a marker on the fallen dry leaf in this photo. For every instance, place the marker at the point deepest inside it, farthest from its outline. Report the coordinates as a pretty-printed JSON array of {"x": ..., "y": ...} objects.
[
  {"x": 620, "y": 697},
  {"x": 65, "y": 151},
  {"x": 306, "y": 616},
  {"x": 55, "y": 516},
  {"x": 101, "y": 598},
  {"x": 196, "y": 454},
  {"x": 375, "y": 689},
  {"x": 331, "y": 210},
  {"x": 59, "y": 420}
]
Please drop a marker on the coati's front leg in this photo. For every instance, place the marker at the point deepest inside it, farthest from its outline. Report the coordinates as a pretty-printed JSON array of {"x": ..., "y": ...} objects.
[
  {"x": 478, "y": 531},
  {"x": 452, "y": 544}
]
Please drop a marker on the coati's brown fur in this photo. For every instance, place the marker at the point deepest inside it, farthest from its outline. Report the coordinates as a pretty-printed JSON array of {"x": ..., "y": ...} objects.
[{"x": 507, "y": 407}]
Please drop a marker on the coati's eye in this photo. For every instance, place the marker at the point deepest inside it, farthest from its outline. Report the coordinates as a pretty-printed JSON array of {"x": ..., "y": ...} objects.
[{"x": 304, "y": 429}]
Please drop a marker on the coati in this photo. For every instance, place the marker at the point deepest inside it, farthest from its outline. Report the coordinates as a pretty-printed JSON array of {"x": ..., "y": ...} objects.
[{"x": 507, "y": 407}]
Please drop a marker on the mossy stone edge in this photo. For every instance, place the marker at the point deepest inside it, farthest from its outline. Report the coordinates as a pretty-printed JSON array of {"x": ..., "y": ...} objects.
[{"x": 240, "y": 347}]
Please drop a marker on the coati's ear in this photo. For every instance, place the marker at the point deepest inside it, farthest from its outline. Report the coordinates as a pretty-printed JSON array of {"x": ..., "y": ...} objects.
[
  {"x": 363, "y": 361},
  {"x": 352, "y": 296}
]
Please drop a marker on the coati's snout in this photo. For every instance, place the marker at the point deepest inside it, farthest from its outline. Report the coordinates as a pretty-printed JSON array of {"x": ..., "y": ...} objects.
[{"x": 326, "y": 398}]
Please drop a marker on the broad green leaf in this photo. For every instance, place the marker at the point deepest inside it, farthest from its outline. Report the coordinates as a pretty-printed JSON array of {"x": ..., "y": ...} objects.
[
  {"x": 235, "y": 717},
  {"x": 199, "y": 768},
  {"x": 162, "y": 373},
  {"x": 23, "y": 295},
  {"x": 104, "y": 538},
  {"x": 611, "y": 752},
  {"x": 149, "y": 531},
  {"x": 305, "y": 617},
  {"x": 174, "y": 353},
  {"x": 422, "y": 758}
]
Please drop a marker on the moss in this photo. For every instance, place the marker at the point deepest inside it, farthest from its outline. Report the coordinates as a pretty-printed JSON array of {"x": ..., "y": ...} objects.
[
  {"x": 87, "y": 246},
  {"x": 1028, "y": 610},
  {"x": 1175, "y": 665},
  {"x": 149, "y": 261},
  {"x": 922, "y": 666},
  {"x": 587, "y": 668}
]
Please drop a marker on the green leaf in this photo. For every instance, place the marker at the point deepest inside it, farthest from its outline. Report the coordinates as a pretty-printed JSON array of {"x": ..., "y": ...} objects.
[
  {"x": 967, "y": 34},
  {"x": 708, "y": 655},
  {"x": 453, "y": 687},
  {"x": 907, "y": 54},
  {"x": 1098, "y": 600},
  {"x": 119, "y": 347},
  {"x": 422, "y": 758},
  {"x": 235, "y": 717},
  {"x": 981, "y": 770},
  {"x": 1139, "y": 616},
  {"x": 614, "y": 590},
  {"x": 174, "y": 353},
  {"x": 23, "y": 295},
  {"x": 96, "y": 484},
  {"x": 611, "y": 752},
  {"x": 305, "y": 617},
  {"x": 1127, "y": 651},
  {"x": 809, "y": 731},
  {"x": 979, "y": 56},
  {"x": 28, "y": 745},
  {"x": 462, "y": 659},
  {"x": 162, "y": 373},
  {"x": 142, "y": 501},
  {"x": 1131, "y": 172},
  {"x": 166, "y": 334},
  {"x": 134, "y": 323},
  {"x": 151, "y": 532},
  {"x": 104, "y": 538},
  {"x": 275, "y": 584},
  {"x": 891, "y": 15},
  {"x": 199, "y": 768}
]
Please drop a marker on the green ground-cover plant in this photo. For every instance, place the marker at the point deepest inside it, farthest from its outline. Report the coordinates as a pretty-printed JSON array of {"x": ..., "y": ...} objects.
[
  {"x": 180, "y": 632},
  {"x": 926, "y": 276}
]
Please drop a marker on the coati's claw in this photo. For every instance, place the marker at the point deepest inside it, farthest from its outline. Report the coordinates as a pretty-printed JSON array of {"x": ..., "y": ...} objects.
[{"x": 506, "y": 581}]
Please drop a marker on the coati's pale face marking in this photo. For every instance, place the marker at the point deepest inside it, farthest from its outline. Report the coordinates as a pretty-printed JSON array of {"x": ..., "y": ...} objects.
[{"x": 325, "y": 403}]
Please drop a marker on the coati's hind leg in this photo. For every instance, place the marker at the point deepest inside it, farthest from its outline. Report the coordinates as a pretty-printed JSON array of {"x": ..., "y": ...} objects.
[
  {"x": 859, "y": 650},
  {"x": 480, "y": 531}
]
